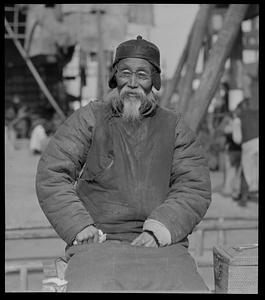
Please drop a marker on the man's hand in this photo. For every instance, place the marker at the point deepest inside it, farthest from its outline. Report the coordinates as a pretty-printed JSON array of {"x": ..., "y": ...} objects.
[
  {"x": 144, "y": 240},
  {"x": 90, "y": 232}
]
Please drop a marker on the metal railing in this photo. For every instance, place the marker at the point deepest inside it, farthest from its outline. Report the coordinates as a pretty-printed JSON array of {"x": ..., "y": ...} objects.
[{"x": 221, "y": 225}]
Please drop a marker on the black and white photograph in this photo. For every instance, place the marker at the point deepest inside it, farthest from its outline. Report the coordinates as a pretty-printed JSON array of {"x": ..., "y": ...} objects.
[{"x": 131, "y": 148}]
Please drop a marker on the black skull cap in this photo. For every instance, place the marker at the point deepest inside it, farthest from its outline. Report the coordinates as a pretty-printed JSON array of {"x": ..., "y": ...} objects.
[{"x": 138, "y": 48}]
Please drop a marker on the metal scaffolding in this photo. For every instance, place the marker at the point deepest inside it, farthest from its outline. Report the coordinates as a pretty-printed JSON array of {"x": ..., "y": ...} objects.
[{"x": 12, "y": 32}]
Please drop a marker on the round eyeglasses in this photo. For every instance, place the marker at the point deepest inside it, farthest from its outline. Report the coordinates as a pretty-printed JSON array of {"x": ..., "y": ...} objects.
[{"x": 140, "y": 75}]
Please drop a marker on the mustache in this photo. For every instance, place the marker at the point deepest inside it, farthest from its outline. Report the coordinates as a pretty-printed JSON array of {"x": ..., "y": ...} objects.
[{"x": 127, "y": 93}]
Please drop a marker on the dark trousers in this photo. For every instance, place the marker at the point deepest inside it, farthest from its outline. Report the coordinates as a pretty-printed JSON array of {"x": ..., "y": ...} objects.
[
  {"x": 243, "y": 189},
  {"x": 244, "y": 194}
]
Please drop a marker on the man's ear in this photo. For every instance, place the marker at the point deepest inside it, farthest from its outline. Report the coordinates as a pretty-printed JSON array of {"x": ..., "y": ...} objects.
[
  {"x": 156, "y": 80},
  {"x": 112, "y": 80}
]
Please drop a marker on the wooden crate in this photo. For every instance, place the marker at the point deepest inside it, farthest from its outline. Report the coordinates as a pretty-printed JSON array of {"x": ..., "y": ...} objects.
[
  {"x": 236, "y": 269},
  {"x": 54, "y": 271}
]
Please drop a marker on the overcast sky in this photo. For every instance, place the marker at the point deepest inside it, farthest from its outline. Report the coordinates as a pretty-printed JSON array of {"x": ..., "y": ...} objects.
[{"x": 172, "y": 26}]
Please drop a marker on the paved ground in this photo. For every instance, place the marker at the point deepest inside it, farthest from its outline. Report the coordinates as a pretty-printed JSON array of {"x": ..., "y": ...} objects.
[{"x": 22, "y": 210}]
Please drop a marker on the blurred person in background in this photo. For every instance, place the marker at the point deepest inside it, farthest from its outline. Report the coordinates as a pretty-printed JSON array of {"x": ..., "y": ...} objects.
[
  {"x": 232, "y": 157},
  {"x": 56, "y": 121},
  {"x": 10, "y": 134},
  {"x": 38, "y": 138},
  {"x": 123, "y": 182},
  {"x": 227, "y": 154},
  {"x": 17, "y": 122},
  {"x": 246, "y": 132}
]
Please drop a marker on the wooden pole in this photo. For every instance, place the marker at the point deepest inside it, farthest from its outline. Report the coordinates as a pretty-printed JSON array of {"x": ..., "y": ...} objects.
[
  {"x": 194, "y": 50},
  {"x": 24, "y": 279},
  {"x": 207, "y": 43},
  {"x": 80, "y": 75},
  {"x": 172, "y": 85},
  {"x": 213, "y": 72},
  {"x": 82, "y": 71},
  {"x": 235, "y": 56},
  {"x": 101, "y": 58},
  {"x": 34, "y": 72}
]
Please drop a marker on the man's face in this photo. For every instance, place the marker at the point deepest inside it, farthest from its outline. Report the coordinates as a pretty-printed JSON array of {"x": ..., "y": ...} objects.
[
  {"x": 135, "y": 73},
  {"x": 134, "y": 83}
]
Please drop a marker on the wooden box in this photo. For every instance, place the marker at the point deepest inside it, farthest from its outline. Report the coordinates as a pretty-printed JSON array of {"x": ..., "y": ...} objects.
[{"x": 236, "y": 269}]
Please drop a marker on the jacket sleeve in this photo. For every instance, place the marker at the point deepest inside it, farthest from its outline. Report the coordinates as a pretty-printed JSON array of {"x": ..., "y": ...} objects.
[
  {"x": 57, "y": 171},
  {"x": 190, "y": 188}
]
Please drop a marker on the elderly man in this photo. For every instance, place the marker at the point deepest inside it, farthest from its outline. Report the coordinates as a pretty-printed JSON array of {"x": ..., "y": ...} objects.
[{"x": 124, "y": 182}]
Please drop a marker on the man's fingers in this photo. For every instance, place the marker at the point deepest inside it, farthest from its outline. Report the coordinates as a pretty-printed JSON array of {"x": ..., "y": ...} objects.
[
  {"x": 148, "y": 240},
  {"x": 133, "y": 242},
  {"x": 136, "y": 241},
  {"x": 82, "y": 239},
  {"x": 96, "y": 237},
  {"x": 150, "y": 243},
  {"x": 141, "y": 240},
  {"x": 144, "y": 240}
]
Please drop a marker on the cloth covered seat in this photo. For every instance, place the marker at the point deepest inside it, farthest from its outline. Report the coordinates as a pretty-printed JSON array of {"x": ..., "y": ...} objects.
[{"x": 118, "y": 266}]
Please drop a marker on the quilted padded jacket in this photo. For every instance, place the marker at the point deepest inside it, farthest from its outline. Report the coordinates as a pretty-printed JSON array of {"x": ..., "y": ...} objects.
[{"x": 96, "y": 171}]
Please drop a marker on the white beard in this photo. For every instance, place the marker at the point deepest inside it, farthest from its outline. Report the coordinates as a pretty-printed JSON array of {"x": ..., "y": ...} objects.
[
  {"x": 132, "y": 101},
  {"x": 131, "y": 106}
]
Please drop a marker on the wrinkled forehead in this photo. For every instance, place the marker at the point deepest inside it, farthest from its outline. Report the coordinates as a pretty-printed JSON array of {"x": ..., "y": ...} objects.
[{"x": 133, "y": 64}]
